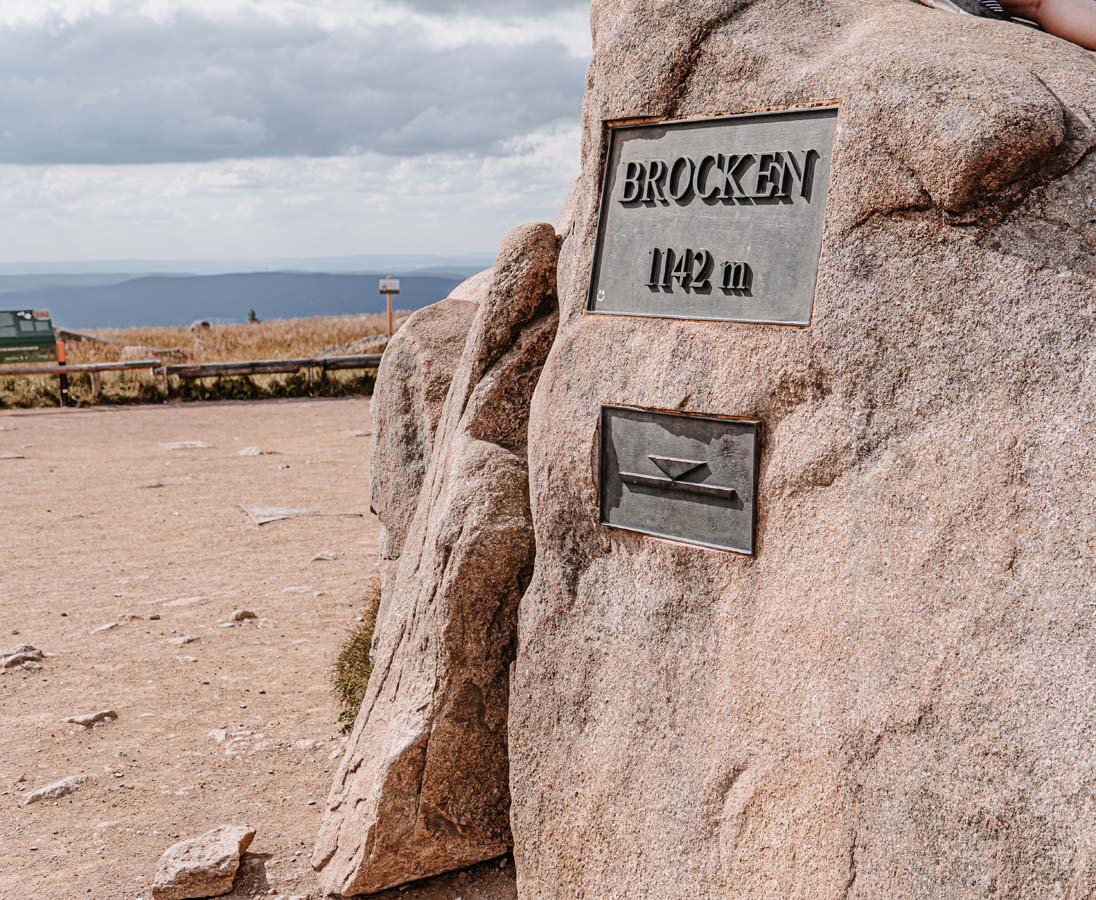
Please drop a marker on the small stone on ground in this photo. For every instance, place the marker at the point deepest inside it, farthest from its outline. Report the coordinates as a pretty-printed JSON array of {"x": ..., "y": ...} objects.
[
  {"x": 186, "y": 445},
  {"x": 205, "y": 866},
  {"x": 19, "y": 655},
  {"x": 55, "y": 791},
  {"x": 93, "y": 719}
]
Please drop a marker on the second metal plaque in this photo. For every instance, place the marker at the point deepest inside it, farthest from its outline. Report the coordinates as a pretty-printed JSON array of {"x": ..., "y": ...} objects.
[
  {"x": 716, "y": 219},
  {"x": 684, "y": 477}
]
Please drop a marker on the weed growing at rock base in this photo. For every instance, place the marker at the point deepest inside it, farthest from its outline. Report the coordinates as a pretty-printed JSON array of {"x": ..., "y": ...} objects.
[{"x": 352, "y": 667}]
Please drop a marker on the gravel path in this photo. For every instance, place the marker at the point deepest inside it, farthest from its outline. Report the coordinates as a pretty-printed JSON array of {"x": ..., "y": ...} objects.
[{"x": 102, "y": 525}]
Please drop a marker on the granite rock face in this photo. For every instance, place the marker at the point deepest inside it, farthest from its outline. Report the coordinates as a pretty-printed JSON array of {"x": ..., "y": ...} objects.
[
  {"x": 474, "y": 289},
  {"x": 894, "y": 698},
  {"x": 412, "y": 382},
  {"x": 422, "y": 788}
]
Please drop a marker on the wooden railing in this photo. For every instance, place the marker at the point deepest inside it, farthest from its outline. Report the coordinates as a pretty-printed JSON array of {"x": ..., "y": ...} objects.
[
  {"x": 82, "y": 368},
  {"x": 272, "y": 366},
  {"x": 188, "y": 371}
]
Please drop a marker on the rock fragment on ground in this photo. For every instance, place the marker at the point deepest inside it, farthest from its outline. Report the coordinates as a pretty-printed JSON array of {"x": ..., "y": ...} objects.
[
  {"x": 239, "y": 740},
  {"x": 182, "y": 640},
  {"x": 57, "y": 790},
  {"x": 186, "y": 445},
  {"x": 238, "y": 617},
  {"x": 325, "y": 556},
  {"x": 298, "y": 589},
  {"x": 256, "y": 451},
  {"x": 19, "y": 655},
  {"x": 264, "y": 515},
  {"x": 186, "y": 601},
  {"x": 204, "y": 866},
  {"x": 110, "y": 626},
  {"x": 92, "y": 719}
]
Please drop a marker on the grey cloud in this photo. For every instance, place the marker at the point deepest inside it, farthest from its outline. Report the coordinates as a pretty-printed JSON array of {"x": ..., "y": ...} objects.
[{"x": 122, "y": 89}]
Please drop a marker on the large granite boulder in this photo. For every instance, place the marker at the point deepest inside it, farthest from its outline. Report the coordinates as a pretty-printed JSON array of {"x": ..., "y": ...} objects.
[
  {"x": 412, "y": 383},
  {"x": 423, "y": 786},
  {"x": 894, "y": 697}
]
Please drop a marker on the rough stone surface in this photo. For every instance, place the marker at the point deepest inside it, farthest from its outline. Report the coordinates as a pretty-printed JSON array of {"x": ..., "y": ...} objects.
[
  {"x": 894, "y": 698},
  {"x": 493, "y": 880},
  {"x": 18, "y": 655},
  {"x": 90, "y": 720},
  {"x": 56, "y": 791},
  {"x": 422, "y": 788},
  {"x": 474, "y": 289},
  {"x": 412, "y": 382},
  {"x": 204, "y": 866}
]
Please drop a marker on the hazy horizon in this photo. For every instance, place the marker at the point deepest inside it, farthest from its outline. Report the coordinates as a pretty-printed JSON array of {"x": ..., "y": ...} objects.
[{"x": 348, "y": 263}]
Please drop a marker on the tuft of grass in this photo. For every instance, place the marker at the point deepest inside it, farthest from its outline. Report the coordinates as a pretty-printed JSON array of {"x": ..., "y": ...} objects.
[{"x": 352, "y": 667}]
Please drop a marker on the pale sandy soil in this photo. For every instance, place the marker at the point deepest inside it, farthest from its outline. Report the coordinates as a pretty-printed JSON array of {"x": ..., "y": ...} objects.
[{"x": 100, "y": 524}]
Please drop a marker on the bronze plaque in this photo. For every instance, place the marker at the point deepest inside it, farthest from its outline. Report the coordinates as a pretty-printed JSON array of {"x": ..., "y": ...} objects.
[
  {"x": 684, "y": 477},
  {"x": 717, "y": 219}
]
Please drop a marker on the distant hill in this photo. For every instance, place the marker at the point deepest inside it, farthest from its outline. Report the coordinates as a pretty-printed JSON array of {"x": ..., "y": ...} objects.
[
  {"x": 182, "y": 299},
  {"x": 408, "y": 263},
  {"x": 9, "y": 283}
]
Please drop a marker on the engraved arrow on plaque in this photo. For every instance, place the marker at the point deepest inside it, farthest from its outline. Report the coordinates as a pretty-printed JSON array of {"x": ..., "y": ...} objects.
[{"x": 675, "y": 469}]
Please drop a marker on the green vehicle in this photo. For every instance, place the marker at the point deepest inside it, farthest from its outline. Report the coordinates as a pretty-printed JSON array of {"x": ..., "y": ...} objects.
[{"x": 26, "y": 336}]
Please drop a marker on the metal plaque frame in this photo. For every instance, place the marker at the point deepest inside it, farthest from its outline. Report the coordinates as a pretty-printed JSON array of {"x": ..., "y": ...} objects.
[
  {"x": 670, "y": 477},
  {"x": 618, "y": 132}
]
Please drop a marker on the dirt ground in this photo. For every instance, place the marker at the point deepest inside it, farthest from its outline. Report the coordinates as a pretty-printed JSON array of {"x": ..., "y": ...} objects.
[{"x": 103, "y": 525}]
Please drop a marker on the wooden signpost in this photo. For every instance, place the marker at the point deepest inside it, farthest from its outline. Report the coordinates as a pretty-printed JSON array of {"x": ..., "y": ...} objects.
[{"x": 388, "y": 287}]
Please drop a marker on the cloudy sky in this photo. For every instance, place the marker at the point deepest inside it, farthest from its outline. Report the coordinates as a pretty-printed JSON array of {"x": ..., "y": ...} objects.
[{"x": 263, "y": 128}]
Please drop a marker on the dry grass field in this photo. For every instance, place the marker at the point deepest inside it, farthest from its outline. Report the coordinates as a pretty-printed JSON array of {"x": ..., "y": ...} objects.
[{"x": 275, "y": 339}]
